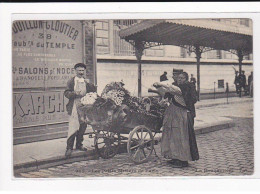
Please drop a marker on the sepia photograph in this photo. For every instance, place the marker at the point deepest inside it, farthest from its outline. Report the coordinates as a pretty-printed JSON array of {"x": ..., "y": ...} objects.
[{"x": 133, "y": 98}]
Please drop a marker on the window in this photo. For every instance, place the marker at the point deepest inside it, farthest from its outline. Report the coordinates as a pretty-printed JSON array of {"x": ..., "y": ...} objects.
[
  {"x": 228, "y": 21},
  {"x": 219, "y": 54},
  {"x": 122, "y": 47},
  {"x": 213, "y": 54},
  {"x": 246, "y": 57},
  {"x": 220, "y": 83},
  {"x": 124, "y": 23},
  {"x": 244, "y": 22},
  {"x": 183, "y": 53}
]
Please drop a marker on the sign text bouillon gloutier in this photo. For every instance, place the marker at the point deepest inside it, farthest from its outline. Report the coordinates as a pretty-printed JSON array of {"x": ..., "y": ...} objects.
[{"x": 57, "y": 26}]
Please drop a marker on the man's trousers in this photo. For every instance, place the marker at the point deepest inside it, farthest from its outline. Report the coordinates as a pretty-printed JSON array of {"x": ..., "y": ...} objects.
[{"x": 79, "y": 137}]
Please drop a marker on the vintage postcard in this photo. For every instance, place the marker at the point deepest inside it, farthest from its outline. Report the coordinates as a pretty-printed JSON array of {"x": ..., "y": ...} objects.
[{"x": 132, "y": 97}]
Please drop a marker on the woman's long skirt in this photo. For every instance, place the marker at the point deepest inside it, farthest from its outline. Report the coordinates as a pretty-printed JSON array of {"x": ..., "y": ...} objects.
[
  {"x": 178, "y": 137},
  {"x": 192, "y": 138}
]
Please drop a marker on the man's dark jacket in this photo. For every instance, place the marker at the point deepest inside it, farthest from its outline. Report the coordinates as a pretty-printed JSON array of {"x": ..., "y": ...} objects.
[
  {"x": 242, "y": 80},
  {"x": 71, "y": 95}
]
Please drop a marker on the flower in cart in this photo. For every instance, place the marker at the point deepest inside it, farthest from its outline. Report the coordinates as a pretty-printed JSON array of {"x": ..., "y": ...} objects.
[
  {"x": 164, "y": 103},
  {"x": 119, "y": 86},
  {"x": 89, "y": 98},
  {"x": 121, "y": 93},
  {"x": 115, "y": 95}
]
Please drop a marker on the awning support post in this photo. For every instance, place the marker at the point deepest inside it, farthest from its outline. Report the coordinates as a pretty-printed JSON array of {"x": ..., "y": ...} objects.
[
  {"x": 240, "y": 59},
  {"x": 139, "y": 48},
  {"x": 198, "y": 52}
]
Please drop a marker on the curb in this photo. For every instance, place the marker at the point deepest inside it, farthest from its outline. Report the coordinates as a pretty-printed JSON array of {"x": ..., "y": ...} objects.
[
  {"x": 222, "y": 103},
  {"x": 92, "y": 155},
  {"x": 54, "y": 161},
  {"x": 218, "y": 127}
]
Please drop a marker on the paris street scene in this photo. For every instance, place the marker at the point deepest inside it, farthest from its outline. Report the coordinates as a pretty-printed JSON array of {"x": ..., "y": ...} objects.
[{"x": 133, "y": 98}]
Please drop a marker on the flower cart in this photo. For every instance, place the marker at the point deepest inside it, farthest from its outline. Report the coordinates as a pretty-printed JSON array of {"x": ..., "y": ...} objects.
[{"x": 123, "y": 121}]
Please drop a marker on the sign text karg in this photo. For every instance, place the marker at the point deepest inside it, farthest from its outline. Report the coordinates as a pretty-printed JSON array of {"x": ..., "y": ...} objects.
[{"x": 38, "y": 107}]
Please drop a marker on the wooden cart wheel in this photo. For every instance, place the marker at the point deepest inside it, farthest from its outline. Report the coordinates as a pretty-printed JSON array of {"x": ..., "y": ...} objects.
[
  {"x": 106, "y": 144},
  {"x": 140, "y": 144}
]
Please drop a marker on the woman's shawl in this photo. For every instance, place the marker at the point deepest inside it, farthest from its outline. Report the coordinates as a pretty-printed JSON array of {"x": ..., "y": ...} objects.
[{"x": 190, "y": 96}]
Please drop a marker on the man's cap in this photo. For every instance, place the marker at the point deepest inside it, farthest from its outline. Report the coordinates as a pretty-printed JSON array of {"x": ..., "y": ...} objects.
[
  {"x": 177, "y": 70},
  {"x": 80, "y": 65}
]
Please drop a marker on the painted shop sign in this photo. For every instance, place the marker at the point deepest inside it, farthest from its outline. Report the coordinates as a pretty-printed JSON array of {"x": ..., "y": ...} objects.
[
  {"x": 43, "y": 57},
  {"x": 38, "y": 108},
  {"x": 44, "y": 52}
]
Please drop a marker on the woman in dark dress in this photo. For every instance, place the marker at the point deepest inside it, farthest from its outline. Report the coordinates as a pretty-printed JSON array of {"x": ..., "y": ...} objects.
[
  {"x": 189, "y": 94},
  {"x": 178, "y": 137},
  {"x": 190, "y": 97}
]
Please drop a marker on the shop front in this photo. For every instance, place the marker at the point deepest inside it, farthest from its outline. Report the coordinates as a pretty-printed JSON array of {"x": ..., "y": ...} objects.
[{"x": 44, "y": 54}]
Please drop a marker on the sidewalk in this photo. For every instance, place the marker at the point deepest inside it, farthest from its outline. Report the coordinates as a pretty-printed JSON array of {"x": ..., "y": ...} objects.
[{"x": 31, "y": 156}]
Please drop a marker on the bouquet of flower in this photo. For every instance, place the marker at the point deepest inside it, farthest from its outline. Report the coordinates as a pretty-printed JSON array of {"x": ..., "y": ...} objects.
[
  {"x": 116, "y": 95},
  {"x": 114, "y": 86},
  {"x": 136, "y": 104},
  {"x": 116, "y": 92},
  {"x": 147, "y": 106},
  {"x": 158, "y": 107},
  {"x": 89, "y": 98}
]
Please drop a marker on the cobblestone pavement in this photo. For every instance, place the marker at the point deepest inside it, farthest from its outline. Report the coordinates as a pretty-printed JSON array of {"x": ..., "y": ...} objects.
[{"x": 222, "y": 153}]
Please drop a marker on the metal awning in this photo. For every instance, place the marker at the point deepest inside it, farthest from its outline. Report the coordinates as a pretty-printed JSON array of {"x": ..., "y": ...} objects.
[
  {"x": 203, "y": 32},
  {"x": 197, "y": 35}
]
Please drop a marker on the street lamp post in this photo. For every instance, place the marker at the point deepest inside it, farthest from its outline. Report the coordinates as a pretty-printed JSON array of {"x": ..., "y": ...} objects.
[{"x": 214, "y": 91}]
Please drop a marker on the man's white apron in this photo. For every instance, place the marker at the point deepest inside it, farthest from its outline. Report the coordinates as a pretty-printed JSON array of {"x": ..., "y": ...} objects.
[{"x": 80, "y": 85}]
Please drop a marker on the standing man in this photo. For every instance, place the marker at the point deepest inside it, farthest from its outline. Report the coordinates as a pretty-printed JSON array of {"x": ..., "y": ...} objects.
[
  {"x": 236, "y": 82},
  {"x": 242, "y": 81},
  {"x": 193, "y": 80},
  {"x": 163, "y": 77},
  {"x": 77, "y": 87}
]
